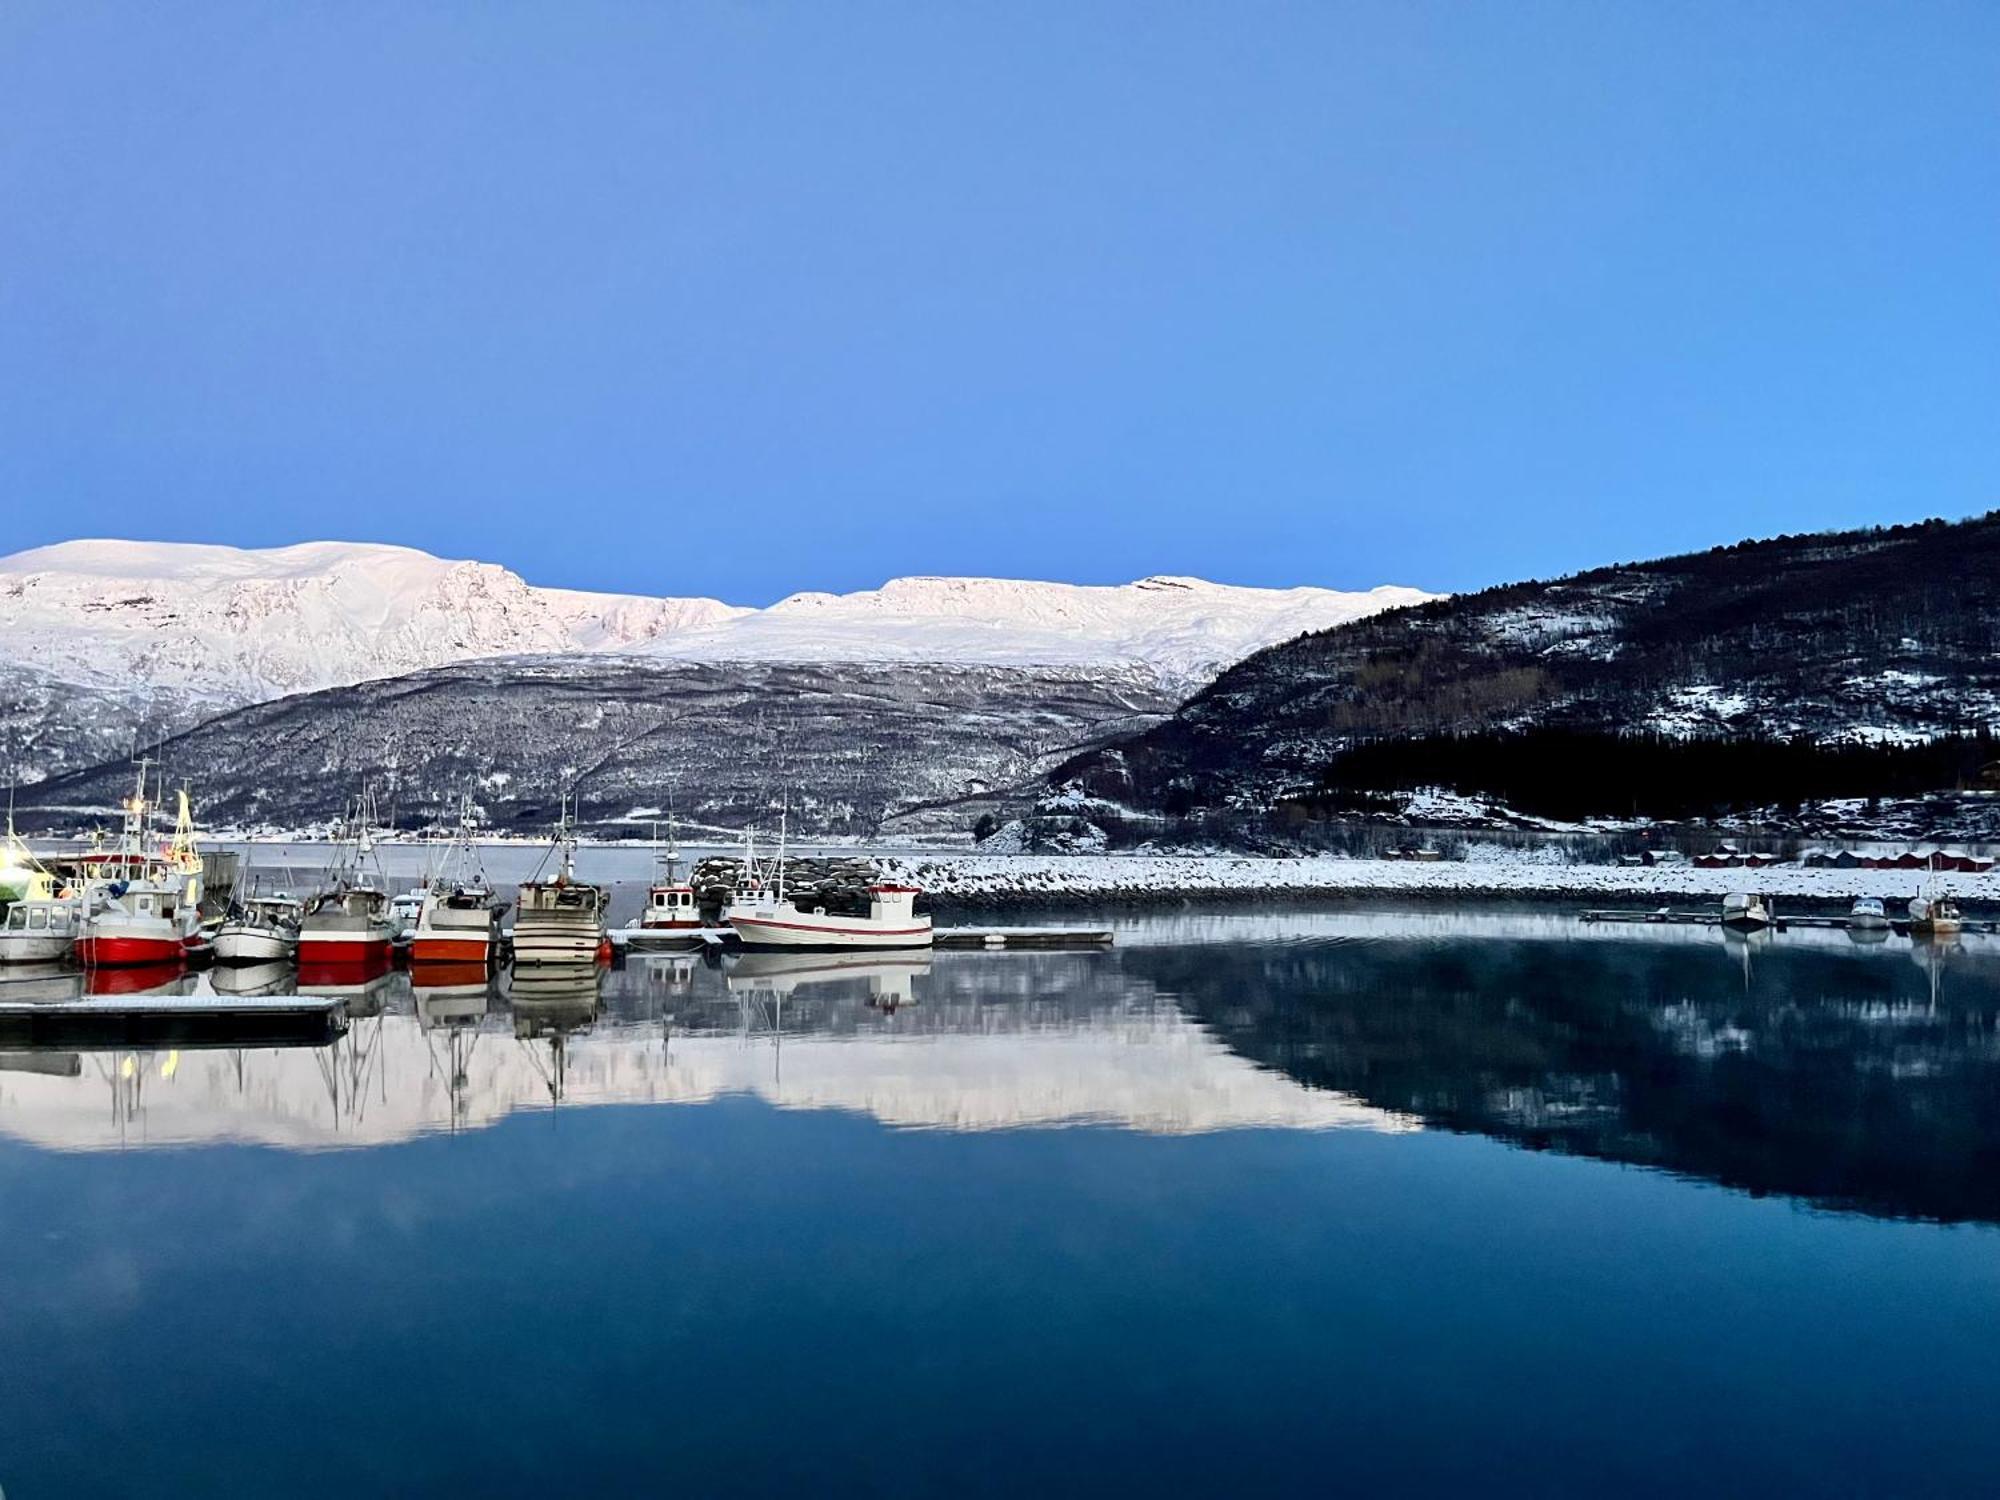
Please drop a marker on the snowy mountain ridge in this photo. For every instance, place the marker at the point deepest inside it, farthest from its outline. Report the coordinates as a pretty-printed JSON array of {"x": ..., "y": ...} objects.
[{"x": 238, "y": 625}]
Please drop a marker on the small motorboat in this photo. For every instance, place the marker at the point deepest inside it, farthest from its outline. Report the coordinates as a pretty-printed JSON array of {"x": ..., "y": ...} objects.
[
  {"x": 1867, "y": 915},
  {"x": 1745, "y": 913},
  {"x": 260, "y": 930},
  {"x": 39, "y": 931}
]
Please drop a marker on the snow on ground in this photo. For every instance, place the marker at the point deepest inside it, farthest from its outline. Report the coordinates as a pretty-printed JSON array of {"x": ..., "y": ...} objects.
[{"x": 983, "y": 879}]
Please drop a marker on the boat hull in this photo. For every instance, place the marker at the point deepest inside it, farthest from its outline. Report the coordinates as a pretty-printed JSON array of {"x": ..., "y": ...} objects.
[
  {"x": 332, "y": 950},
  {"x": 116, "y": 950},
  {"x": 35, "y": 947},
  {"x": 450, "y": 948},
  {"x": 830, "y": 933},
  {"x": 567, "y": 945},
  {"x": 253, "y": 945}
]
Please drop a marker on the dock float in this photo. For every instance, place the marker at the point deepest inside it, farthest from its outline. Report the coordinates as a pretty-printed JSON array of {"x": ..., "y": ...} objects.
[
  {"x": 1022, "y": 937},
  {"x": 174, "y": 1020},
  {"x": 1670, "y": 917}
]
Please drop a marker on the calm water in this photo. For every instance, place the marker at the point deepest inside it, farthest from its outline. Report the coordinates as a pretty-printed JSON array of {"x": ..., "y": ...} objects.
[{"x": 1357, "y": 1203}]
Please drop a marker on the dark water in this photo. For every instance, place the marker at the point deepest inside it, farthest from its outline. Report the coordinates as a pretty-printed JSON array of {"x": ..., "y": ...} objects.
[{"x": 1360, "y": 1204}]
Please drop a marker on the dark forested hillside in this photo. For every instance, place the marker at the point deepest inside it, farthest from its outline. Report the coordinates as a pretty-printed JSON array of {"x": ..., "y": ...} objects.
[
  {"x": 856, "y": 749},
  {"x": 1880, "y": 636}
]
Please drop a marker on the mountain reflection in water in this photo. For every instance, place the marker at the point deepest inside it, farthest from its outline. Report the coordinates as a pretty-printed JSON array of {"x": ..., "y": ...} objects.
[
  {"x": 1862, "y": 1077},
  {"x": 1855, "y": 1076}
]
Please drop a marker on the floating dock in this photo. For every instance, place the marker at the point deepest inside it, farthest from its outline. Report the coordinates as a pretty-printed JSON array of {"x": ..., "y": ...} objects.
[
  {"x": 172, "y": 1020},
  {"x": 1668, "y": 916},
  {"x": 635, "y": 940},
  {"x": 1022, "y": 937}
]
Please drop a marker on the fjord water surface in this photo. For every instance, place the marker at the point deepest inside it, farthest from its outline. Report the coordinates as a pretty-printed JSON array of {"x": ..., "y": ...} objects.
[{"x": 1374, "y": 1202}]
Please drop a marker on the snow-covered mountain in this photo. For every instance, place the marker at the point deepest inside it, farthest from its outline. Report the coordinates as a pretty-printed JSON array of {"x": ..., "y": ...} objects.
[
  {"x": 1183, "y": 629},
  {"x": 106, "y": 642},
  {"x": 233, "y": 625}
]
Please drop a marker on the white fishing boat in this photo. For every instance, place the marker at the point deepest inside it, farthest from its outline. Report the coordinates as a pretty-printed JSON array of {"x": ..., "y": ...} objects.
[
  {"x": 891, "y": 922},
  {"x": 560, "y": 920},
  {"x": 41, "y": 930},
  {"x": 259, "y": 930},
  {"x": 142, "y": 907},
  {"x": 1868, "y": 915},
  {"x": 671, "y": 915},
  {"x": 41, "y": 921},
  {"x": 458, "y": 919},
  {"x": 1745, "y": 912}
]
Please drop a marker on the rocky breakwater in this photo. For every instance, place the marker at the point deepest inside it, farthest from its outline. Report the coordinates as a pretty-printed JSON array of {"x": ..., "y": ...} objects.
[{"x": 838, "y": 885}]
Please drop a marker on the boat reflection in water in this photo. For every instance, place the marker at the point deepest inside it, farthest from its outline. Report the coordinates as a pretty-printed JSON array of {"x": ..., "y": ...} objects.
[
  {"x": 244, "y": 980},
  {"x": 1794, "y": 1063},
  {"x": 39, "y": 982},
  {"x": 550, "y": 1002},
  {"x": 140, "y": 979}
]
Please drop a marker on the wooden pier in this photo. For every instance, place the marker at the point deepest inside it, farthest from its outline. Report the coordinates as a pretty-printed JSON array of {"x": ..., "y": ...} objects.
[{"x": 172, "y": 1020}]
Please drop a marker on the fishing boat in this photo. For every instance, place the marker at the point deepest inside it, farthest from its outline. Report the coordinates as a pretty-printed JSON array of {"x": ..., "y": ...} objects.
[
  {"x": 891, "y": 922},
  {"x": 41, "y": 922},
  {"x": 140, "y": 906},
  {"x": 671, "y": 916},
  {"x": 1934, "y": 915},
  {"x": 348, "y": 925},
  {"x": 560, "y": 920},
  {"x": 1867, "y": 915},
  {"x": 41, "y": 930},
  {"x": 1744, "y": 912},
  {"x": 458, "y": 919},
  {"x": 259, "y": 930}
]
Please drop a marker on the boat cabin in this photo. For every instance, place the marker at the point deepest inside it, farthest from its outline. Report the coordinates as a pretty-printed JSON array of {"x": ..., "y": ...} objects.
[
  {"x": 40, "y": 916},
  {"x": 670, "y": 903},
  {"x": 561, "y": 895},
  {"x": 892, "y": 902},
  {"x": 358, "y": 901}
]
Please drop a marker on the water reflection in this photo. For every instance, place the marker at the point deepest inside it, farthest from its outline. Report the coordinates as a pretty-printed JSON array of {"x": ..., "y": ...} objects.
[
  {"x": 1857, "y": 1076},
  {"x": 962, "y": 1042}
]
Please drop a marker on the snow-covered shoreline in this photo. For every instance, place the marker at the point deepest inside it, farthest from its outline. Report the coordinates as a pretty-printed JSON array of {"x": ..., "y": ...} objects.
[{"x": 1024, "y": 880}]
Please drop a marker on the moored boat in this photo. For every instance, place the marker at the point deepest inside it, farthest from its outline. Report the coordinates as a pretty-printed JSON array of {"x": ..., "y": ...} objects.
[
  {"x": 346, "y": 927},
  {"x": 671, "y": 915},
  {"x": 140, "y": 907},
  {"x": 1867, "y": 915},
  {"x": 259, "y": 930},
  {"x": 458, "y": 918},
  {"x": 1745, "y": 912},
  {"x": 1934, "y": 916},
  {"x": 39, "y": 931},
  {"x": 560, "y": 920},
  {"x": 891, "y": 922}
]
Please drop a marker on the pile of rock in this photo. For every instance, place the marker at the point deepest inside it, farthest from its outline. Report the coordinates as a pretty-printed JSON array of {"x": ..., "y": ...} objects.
[{"x": 837, "y": 884}]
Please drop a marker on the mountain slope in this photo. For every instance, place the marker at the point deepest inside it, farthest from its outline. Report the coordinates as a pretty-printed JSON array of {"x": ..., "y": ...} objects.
[
  {"x": 1872, "y": 636},
  {"x": 865, "y": 748}
]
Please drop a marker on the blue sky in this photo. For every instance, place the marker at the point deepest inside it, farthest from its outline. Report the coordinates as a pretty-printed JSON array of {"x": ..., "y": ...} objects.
[{"x": 740, "y": 299}]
